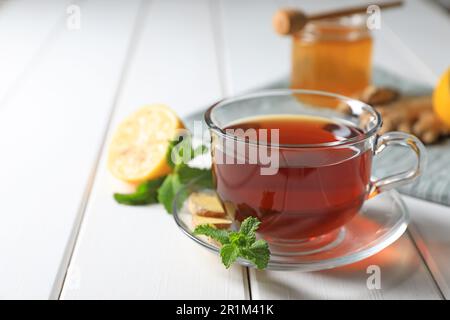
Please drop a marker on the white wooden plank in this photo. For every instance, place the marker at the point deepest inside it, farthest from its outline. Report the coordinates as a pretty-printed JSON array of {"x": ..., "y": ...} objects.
[
  {"x": 253, "y": 54},
  {"x": 244, "y": 39},
  {"x": 50, "y": 130},
  {"x": 431, "y": 233},
  {"x": 26, "y": 27},
  {"x": 138, "y": 252},
  {"x": 403, "y": 276}
]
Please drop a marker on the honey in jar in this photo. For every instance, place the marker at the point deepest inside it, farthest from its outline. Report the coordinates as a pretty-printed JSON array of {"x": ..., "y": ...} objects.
[{"x": 333, "y": 56}]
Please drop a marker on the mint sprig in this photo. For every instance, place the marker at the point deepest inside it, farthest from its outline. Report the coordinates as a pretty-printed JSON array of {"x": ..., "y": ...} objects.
[
  {"x": 241, "y": 244},
  {"x": 146, "y": 193},
  {"x": 179, "y": 152}
]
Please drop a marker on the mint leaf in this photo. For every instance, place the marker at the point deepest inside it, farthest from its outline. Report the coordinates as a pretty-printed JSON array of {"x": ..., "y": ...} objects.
[
  {"x": 258, "y": 253},
  {"x": 165, "y": 193},
  {"x": 150, "y": 185},
  {"x": 170, "y": 150},
  {"x": 135, "y": 199},
  {"x": 168, "y": 190},
  {"x": 202, "y": 149},
  {"x": 229, "y": 253},
  {"x": 176, "y": 182},
  {"x": 249, "y": 227},
  {"x": 146, "y": 193},
  {"x": 238, "y": 239},
  {"x": 214, "y": 233},
  {"x": 239, "y": 244},
  {"x": 201, "y": 178},
  {"x": 181, "y": 151}
]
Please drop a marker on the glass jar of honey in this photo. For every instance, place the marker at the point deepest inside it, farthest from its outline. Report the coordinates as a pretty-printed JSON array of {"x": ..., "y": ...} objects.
[{"x": 333, "y": 55}]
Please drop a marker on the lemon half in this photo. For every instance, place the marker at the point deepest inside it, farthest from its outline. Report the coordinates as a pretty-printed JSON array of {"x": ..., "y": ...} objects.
[{"x": 139, "y": 145}]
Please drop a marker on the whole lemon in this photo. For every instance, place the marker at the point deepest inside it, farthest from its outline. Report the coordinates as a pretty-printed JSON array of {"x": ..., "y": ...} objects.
[{"x": 441, "y": 98}]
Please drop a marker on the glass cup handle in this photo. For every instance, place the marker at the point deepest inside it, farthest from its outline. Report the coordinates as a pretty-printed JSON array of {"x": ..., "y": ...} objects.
[{"x": 404, "y": 177}]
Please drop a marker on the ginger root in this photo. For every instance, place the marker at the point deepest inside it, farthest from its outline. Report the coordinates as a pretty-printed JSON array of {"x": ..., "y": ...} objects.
[
  {"x": 413, "y": 115},
  {"x": 378, "y": 95}
]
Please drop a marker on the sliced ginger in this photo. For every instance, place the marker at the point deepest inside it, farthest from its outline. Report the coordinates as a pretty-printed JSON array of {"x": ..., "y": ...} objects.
[
  {"x": 219, "y": 223},
  {"x": 206, "y": 208},
  {"x": 206, "y": 205}
]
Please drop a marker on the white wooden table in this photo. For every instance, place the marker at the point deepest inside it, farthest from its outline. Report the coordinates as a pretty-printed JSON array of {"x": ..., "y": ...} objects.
[{"x": 63, "y": 90}]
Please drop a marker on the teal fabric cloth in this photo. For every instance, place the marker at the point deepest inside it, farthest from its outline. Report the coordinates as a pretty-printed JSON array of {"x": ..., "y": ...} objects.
[{"x": 434, "y": 184}]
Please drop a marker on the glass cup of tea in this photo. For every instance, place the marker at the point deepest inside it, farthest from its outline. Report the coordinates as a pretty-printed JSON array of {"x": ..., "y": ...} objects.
[{"x": 303, "y": 170}]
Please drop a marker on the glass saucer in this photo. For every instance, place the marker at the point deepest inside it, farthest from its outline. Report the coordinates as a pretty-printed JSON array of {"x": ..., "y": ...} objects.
[{"x": 380, "y": 222}]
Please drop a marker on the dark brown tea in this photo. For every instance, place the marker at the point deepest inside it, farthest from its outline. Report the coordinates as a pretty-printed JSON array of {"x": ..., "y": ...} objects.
[{"x": 314, "y": 191}]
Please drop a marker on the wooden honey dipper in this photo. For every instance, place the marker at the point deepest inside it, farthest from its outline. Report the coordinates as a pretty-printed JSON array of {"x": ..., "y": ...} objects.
[{"x": 290, "y": 21}]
